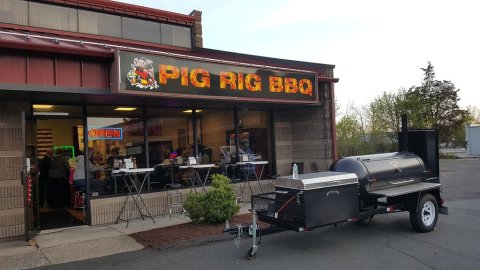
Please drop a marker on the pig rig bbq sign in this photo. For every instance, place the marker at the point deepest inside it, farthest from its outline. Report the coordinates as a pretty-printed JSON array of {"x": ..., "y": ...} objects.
[{"x": 147, "y": 74}]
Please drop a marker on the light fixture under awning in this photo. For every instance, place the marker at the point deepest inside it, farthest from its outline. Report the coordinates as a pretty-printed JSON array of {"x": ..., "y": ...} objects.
[
  {"x": 125, "y": 109},
  {"x": 190, "y": 111},
  {"x": 51, "y": 113},
  {"x": 42, "y": 106}
]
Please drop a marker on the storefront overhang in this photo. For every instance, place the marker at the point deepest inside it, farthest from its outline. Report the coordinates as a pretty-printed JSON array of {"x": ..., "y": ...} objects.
[{"x": 40, "y": 43}]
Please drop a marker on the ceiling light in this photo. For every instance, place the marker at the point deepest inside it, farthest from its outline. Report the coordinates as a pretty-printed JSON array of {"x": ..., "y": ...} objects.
[
  {"x": 125, "y": 109},
  {"x": 51, "y": 113},
  {"x": 190, "y": 111},
  {"x": 42, "y": 106}
]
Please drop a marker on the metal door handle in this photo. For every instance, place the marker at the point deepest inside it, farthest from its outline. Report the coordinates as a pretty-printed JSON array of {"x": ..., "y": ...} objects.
[
  {"x": 23, "y": 178},
  {"x": 401, "y": 182}
]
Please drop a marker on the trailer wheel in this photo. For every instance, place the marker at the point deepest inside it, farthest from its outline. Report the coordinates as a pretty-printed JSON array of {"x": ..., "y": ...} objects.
[
  {"x": 250, "y": 254},
  {"x": 424, "y": 218}
]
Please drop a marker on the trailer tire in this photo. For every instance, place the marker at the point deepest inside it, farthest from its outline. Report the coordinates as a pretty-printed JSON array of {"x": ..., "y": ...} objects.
[{"x": 424, "y": 217}]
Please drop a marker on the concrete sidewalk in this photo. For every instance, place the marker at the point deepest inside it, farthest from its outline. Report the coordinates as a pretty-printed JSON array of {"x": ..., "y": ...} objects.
[{"x": 81, "y": 242}]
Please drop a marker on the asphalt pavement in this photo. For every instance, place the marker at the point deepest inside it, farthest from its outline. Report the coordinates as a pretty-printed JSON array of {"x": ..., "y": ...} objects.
[{"x": 388, "y": 242}]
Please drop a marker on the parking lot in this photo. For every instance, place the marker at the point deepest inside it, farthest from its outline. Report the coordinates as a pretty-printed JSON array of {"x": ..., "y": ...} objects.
[{"x": 388, "y": 242}]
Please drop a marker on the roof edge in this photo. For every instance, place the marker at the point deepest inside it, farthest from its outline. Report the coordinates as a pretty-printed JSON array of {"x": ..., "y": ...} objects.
[{"x": 120, "y": 8}]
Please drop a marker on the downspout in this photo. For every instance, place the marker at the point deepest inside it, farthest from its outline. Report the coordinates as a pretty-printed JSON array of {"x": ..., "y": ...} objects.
[{"x": 333, "y": 127}]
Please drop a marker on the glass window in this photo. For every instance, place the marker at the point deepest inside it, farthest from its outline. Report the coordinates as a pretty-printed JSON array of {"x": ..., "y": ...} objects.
[
  {"x": 140, "y": 30},
  {"x": 215, "y": 128},
  {"x": 50, "y": 110},
  {"x": 99, "y": 24},
  {"x": 53, "y": 17},
  {"x": 169, "y": 136},
  {"x": 14, "y": 11},
  {"x": 115, "y": 137},
  {"x": 169, "y": 133},
  {"x": 254, "y": 134},
  {"x": 176, "y": 35}
]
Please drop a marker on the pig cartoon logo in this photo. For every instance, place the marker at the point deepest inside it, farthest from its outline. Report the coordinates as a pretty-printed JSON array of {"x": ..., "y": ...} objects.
[{"x": 142, "y": 74}]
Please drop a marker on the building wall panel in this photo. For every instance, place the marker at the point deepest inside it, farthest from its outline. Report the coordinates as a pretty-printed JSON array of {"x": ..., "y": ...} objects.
[
  {"x": 13, "y": 68},
  {"x": 95, "y": 75},
  {"x": 68, "y": 72},
  {"x": 41, "y": 70},
  {"x": 53, "y": 71}
]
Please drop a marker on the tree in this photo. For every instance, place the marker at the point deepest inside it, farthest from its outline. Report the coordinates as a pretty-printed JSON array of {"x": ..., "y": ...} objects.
[
  {"x": 348, "y": 136},
  {"x": 434, "y": 104},
  {"x": 474, "y": 113},
  {"x": 385, "y": 115}
]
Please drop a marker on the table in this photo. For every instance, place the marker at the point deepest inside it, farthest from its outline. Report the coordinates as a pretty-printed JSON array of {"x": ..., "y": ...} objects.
[
  {"x": 249, "y": 173},
  {"x": 197, "y": 177},
  {"x": 133, "y": 190}
]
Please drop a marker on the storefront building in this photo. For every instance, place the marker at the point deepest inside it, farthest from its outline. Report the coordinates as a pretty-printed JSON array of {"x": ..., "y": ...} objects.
[{"x": 114, "y": 81}]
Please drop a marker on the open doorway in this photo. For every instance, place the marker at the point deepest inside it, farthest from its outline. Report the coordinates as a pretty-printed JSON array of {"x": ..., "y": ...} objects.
[{"x": 58, "y": 143}]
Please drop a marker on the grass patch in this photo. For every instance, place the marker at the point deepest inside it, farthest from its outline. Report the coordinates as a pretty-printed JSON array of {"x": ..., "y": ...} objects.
[{"x": 448, "y": 156}]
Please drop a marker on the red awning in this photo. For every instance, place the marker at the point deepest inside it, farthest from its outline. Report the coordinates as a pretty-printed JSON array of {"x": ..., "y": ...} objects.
[{"x": 14, "y": 39}]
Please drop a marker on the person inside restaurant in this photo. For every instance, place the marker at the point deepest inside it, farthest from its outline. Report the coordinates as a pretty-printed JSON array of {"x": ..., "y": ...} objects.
[
  {"x": 184, "y": 176},
  {"x": 58, "y": 186},
  {"x": 79, "y": 179},
  {"x": 43, "y": 178}
]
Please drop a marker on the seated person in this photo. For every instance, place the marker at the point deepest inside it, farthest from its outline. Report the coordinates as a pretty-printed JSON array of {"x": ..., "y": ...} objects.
[
  {"x": 204, "y": 157},
  {"x": 79, "y": 179},
  {"x": 184, "y": 176},
  {"x": 161, "y": 174},
  {"x": 111, "y": 159}
]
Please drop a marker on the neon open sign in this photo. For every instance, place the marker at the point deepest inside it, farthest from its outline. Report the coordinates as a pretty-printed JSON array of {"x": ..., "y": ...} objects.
[{"x": 105, "y": 134}]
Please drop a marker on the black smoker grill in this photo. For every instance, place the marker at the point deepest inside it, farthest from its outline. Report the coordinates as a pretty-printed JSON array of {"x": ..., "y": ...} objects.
[
  {"x": 355, "y": 189},
  {"x": 312, "y": 200},
  {"x": 382, "y": 171}
]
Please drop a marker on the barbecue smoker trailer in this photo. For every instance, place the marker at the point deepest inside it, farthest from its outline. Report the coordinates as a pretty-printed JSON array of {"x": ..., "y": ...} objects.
[{"x": 356, "y": 189}]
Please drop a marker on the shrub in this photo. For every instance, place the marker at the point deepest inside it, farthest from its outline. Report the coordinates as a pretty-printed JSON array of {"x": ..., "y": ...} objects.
[
  {"x": 214, "y": 206},
  {"x": 194, "y": 206}
]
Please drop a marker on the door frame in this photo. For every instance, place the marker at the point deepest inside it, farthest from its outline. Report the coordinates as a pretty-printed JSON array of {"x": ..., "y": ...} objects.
[
  {"x": 34, "y": 119},
  {"x": 30, "y": 207}
]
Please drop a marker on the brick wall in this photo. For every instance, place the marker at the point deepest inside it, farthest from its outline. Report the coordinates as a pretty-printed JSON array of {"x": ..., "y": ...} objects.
[
  {"x": 106, "y": 210},
  {"x": 197, "y": 29},
  {"x": 12, "y": 220},
  {"x": 304, "y": 135}
]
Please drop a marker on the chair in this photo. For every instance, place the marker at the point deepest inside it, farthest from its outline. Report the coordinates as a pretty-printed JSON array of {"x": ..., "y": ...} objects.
[
  {"x": 79, "y": 200},
  {"x": 238, "y": 193},
  {"x": 175, "y": 202}
]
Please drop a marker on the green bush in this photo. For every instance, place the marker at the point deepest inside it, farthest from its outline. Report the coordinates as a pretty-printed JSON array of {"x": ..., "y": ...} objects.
[
  {"x": 194, "y": 206},
  {"x": 214, "y": 206}
]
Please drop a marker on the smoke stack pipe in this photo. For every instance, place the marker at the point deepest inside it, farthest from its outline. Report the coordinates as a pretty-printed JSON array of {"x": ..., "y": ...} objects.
[{"x": 404, "y": 145}]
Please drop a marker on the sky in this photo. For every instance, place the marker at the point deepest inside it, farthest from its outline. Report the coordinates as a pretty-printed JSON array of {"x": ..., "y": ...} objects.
[{"x": 375, "y": 45}]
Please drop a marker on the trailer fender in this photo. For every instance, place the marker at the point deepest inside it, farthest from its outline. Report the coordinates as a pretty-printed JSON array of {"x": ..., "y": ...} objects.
[{"x": 442, "y": 209}]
